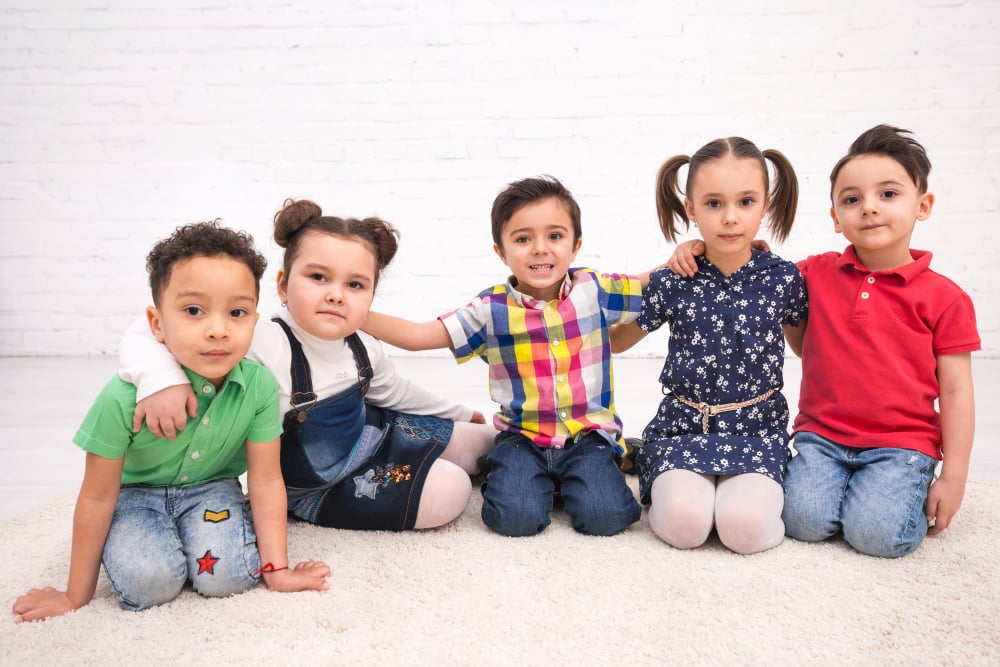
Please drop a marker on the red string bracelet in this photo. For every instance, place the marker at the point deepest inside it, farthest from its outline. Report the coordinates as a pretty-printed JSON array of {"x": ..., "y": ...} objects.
[{"x": 267, "y": 568}]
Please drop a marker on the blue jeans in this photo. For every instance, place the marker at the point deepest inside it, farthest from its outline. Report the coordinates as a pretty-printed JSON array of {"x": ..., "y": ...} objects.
[
  {"x": 161, "y": 538},
  {"x": 517, "y": 495},
  {"x": 875, "y": 496}
]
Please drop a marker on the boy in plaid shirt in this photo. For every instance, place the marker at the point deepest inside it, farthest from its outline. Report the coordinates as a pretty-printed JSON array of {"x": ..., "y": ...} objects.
[{"x": 544, "y": 334}]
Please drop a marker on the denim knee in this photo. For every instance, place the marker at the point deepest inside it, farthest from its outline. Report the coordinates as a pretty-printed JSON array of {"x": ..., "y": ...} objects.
[
  {"x": 517, "y": 494},
  {"x": 597, "y": 498},
  {"x": 147, "y": 582},
  {"x": 815, "y": 483}
]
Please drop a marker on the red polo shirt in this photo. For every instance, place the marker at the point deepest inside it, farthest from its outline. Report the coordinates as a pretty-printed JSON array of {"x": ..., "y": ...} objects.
[{"x": 870, "y": 347}]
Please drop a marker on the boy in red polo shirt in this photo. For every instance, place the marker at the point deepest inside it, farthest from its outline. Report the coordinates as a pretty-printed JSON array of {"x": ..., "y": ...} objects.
[{"x": 886, "y": 336}]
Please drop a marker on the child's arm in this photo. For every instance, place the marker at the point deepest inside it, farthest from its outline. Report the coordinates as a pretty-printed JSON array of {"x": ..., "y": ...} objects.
[
  {"x": 269, "y": 505},
  {"x": 682, "y": 262},
  {"x": 164, "y": 395},
  {"x": 624, "y": 336},
  {"x": 958, "y": 425},
  {"x": 794, "y": 336},
  {"x": 95, "y": 507},
  {"x": 406, "y": 334}
]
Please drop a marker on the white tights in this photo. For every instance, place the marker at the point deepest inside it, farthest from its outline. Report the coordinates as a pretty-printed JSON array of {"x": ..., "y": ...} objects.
[
  {"x": 447, "y": 488},
  {"x": 745, "y": 509}
]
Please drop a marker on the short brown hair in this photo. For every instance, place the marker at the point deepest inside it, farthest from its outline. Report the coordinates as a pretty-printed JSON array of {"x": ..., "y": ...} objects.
[
  {"x": 519, "y": 194},
  {"x": 201, "y": 239},
  {"x": 892, "y": 142}
]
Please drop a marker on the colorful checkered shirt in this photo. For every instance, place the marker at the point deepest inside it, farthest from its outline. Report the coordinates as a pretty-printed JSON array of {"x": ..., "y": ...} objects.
[{"x": 550, "y": 362}]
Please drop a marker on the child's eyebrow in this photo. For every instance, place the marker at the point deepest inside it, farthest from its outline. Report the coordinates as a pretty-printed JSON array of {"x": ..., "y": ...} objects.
[
  {"x": 197, "y": 294},
  {"x": 548, "y": 228}
]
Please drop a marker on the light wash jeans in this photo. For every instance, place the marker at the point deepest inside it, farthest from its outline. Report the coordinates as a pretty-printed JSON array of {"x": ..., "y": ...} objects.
[
  {"x": 876, "y": 496},
  {"x": 517, "y": 495},
  {"x": 161, "y": 538}
]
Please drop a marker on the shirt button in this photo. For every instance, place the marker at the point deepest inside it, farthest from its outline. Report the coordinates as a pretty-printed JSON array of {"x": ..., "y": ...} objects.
[
  {"x": 204, "y": 420},
  {"x": 184, "y": 478},
  {"x": 555, "y": 343},
  {"x": 864, "y": 295},
  {"x": 195, "y": 455},
  {"x": 207, "y": 389},
  {"x": 563, "y": 414},
  {"x": 562, "y": 378},
  {"x": 871, "y": 280}
]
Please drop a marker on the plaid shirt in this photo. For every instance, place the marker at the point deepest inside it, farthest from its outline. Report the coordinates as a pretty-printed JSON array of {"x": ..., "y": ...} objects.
[{"x": 550, "y": 362}]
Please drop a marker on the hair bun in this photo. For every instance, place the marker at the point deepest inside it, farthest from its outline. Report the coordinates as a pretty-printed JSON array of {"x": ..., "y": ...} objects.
[{"x": 292, "y": 217}]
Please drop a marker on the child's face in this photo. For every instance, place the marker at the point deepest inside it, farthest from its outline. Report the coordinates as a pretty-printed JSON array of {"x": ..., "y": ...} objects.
[
  {"x": 331, "y": 285},
  {"x": 537, "y": 244},
  {"x": 207, "y": 315},
  {"x": 876, "y": 205},
  {"x": 728, "y": 199}
]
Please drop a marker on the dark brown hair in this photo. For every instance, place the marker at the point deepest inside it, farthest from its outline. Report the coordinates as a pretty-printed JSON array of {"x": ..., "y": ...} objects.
[
  {"x": 783, "y": 199},
  {"x": 296, "y": 218},
  {"x": 201, "y": 239},
  {"x": 892, "y": 142},
  {"x": 519, "y": 194}
]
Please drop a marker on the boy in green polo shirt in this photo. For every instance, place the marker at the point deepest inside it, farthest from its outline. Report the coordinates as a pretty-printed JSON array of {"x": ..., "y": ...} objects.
[{"x": 160, "y": 514}]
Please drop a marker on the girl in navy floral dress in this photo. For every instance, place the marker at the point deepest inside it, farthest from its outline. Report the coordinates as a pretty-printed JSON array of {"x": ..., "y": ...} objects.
[{"x": 715, "y": 453}]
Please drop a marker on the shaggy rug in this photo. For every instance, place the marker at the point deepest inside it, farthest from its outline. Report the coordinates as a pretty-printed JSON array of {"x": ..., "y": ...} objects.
[{"x": 461, "y": 595}]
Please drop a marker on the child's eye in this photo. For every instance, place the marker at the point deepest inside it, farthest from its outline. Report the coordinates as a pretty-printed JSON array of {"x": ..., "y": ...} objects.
[
  {"x": 318, "y": 277},
  {"x": 746, "y": 201},
  {"x": 713, "y": 203},
  {"x": 239, "y": 312},
  {"x": 889, "y": 194},
  {"x": 555, "y": 236},
  {"x": 354, "y": 284},
  {"x": 851, "y": 199},
  {"x": 521, "y": 239},
  {"x": 193, "y": 311}
]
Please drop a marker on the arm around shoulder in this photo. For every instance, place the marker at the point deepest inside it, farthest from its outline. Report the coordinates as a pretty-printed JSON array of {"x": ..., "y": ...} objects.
[
  {"x": 406, "y": 334},
  {"x": 624, "y": 336}
]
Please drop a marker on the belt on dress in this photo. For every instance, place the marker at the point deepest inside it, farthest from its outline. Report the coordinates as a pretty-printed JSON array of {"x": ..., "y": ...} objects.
[{"x": 707, "y": 410}]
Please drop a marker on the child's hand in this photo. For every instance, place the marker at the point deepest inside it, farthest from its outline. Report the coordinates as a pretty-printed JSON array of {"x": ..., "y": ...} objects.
[
  {"x": 943, "y": 500},
  {"x": 166, "y": 411},
  {"x": 309, "y": 575},
  {"x": 760, "y": 244},
  {"x": 682, "y": 262},
  {"x": 39, "y": 603},
  {"x": 477, "y": 417}
]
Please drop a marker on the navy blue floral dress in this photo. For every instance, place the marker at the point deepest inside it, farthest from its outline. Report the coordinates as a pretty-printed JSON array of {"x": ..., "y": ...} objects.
[{"x": 726, "y": 346}]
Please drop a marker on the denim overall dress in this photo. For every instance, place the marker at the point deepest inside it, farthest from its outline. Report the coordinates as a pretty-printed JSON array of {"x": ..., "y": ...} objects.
[{"x": 350, "y": 464}]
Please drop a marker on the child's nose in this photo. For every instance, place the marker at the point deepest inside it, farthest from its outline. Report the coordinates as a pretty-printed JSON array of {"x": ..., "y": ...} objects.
[{"x": 217, "y": 327}]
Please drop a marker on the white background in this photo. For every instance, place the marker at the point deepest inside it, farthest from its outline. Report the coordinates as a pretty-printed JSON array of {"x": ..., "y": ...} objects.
[{"x": 122, "y": 120}]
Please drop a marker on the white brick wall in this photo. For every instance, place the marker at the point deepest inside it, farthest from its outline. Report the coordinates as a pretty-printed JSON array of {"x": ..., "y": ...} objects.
[{"x": 121, "y": 120}]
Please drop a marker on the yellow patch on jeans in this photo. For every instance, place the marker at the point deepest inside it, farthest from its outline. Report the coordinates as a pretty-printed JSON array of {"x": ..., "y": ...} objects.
[{"x": 216, "y": 517}]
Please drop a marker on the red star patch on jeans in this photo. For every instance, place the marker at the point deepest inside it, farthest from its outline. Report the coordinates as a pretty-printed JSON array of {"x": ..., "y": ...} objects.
[{"x": 207, "y": 563}]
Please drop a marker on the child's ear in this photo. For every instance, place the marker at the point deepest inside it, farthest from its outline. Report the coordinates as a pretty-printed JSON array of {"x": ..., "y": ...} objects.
[
  {"x": 499, "y": 251},
  {"x": 282, "y": 287},
  {"x": 155, "y": 323},
  {"x": 836, "y": 223},
  {"x": 924, "y": 206},
  {"x": 689, "y": 209}
]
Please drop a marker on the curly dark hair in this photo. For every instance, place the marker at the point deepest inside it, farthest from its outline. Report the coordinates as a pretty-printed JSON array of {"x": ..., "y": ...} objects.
[{"x": 201, "y": 239}]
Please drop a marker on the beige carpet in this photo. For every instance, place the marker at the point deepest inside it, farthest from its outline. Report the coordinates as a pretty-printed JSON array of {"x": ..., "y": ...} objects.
[{"x": 464, "y": 596}]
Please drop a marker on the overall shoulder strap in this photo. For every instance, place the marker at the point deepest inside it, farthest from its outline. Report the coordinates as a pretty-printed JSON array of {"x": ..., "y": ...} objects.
[
  {"x": 364, "y": 364},
  {"x": 302, "y": 391}
]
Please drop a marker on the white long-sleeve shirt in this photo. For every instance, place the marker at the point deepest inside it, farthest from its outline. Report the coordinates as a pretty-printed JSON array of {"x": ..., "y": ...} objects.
[{"x": 146, "y": 363}]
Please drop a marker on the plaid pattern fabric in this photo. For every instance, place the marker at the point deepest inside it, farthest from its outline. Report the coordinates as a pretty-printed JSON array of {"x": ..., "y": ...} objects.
[{"x": 550, "y": 363}]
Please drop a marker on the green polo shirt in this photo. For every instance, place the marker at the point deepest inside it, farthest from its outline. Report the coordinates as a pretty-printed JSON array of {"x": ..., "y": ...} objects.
[{"x": 211, "y": 446}]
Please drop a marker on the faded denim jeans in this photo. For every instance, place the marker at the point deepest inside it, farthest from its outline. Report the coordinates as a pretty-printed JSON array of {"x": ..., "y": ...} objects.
[
  {"x": 162, "y": 538},
  {"x": 875, "y": 496}
]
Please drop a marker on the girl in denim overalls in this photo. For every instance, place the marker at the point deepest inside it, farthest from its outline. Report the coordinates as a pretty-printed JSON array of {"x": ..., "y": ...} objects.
[{"x": 362, "y": 448}]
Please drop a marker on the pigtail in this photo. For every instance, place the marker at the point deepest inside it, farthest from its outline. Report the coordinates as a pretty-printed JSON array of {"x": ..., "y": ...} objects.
[
  {"x": 292, "y": 217},
  {"x": 669, "y": 206},
  {"x": 784, "y": 196}
]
